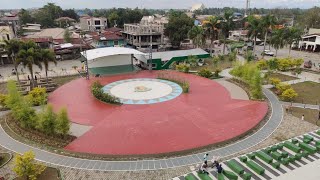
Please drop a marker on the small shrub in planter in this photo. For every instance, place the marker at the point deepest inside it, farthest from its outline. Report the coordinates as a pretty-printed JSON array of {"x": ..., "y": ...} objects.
[
  {"x": 37, "y": 96},
  {"x": 216, "y": 72},
  {"x": 205, "y": 73},
  {"x": 98, "y": 93},
  {"x": 275, "y": 81},
  {"x": 182, "y": 67},
  {"x": 3, "y": 98}
]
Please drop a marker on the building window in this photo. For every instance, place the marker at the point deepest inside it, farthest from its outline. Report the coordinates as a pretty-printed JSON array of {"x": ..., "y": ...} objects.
[
  {"x": 154, "y": 66},
  {"x": 8, "y": 37},
  {"x": 98, "y": 28},
  {"x": 97, "y": 22},
  {"x": 116, "y": 43},
  {"x": 89, "y": 23}
]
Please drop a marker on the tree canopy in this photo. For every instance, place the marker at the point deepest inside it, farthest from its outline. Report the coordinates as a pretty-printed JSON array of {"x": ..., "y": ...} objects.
[{"x": 178, "y": 27}]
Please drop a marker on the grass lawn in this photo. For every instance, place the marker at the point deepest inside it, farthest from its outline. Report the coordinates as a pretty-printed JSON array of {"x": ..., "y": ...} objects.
[
  {"x": 282, "y": 77},
  {"x": 48, "y": 174},
  {"x": 5, "y": 157},
  {"x": 209, "y": 64},
  {"x": 310, "y": 115},
  {"x": 308, "y": 92}
]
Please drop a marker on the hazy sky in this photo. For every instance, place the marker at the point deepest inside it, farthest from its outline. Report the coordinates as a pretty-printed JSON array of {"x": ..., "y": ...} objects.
[{"x": 157, "y": 4}]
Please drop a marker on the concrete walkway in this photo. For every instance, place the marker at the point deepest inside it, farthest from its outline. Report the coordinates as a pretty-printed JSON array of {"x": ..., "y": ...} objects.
[
  {"x": 300, "y": 105},
  {"x": 235, "y": 91}
]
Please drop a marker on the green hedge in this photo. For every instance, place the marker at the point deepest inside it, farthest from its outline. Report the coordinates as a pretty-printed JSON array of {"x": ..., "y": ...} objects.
[
  {"x": 204, "y": 176},
  {"x": 308, "y": 148},
  {"x": 98, "y": 93},
  {"x": 276, "y": 155},
  {"x": 190, "y": 177},
  {"x": 230, "y": 175},
  {"x": 246, "y": 176}
]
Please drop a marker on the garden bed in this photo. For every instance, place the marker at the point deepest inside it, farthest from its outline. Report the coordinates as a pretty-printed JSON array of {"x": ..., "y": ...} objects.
[
  {"x": 282, "y": 77},
  {"x": 225, "y": 64},
  {"x": 245, "y": 87},
  {"x": 36, "y": 136},
  {"x": 5, "y": 158},
  {"x": 310, "y": 115},
  {"x": 48, "y": 174}
]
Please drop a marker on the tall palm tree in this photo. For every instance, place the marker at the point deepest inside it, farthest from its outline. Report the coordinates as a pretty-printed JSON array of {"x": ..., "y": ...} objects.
[
  {"x": 278, "y": 39},
  {"x": 293, "y": 35},
  {"x": 227, "y": 25},
  {"x": 47, "y": 56},
  {"x": 197, "y": 35},
  {"x": 12, "y": 47},
  {"x": 29, "y": 57},
  {"x": 255, "y": 28},
  {"x": 268, "y": 23},
  {"x": 211, "y": 28}
]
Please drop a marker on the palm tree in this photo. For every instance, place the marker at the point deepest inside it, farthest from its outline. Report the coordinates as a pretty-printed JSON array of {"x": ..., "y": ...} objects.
[
  {"x": 255, "y": 28},
  {"x": 211, "y": 27},
  {"x": 12, "y": 47},
  {"x": 268, "y": 23},
  {"x": 278, "y": 39},
  {"x": 227, "y": 25},
  {"x": 197, "y": 35},
  {"x": 293, "y": 35},
  {"x": 29, "y": 57},
  {"x": 47, "y": 56}
]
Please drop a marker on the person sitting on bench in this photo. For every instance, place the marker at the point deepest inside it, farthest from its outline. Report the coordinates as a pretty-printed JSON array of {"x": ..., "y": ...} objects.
[{"x": 203, "y": 168}]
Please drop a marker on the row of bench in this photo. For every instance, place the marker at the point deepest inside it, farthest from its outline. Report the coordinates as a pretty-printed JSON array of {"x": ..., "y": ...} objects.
[{"x": 267, "y": 162}]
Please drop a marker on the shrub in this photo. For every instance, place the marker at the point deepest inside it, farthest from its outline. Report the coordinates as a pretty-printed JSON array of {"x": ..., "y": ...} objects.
[
  {"x": 262, "y": 64},
  {"x": 98, "y": 93},
  {"x": 205, "y": 72},
  {"x": 25, "y": 166},
  {"x": 37, "y": 96},
  {"x": 275, "y": 81},
  {"x": 47, "y": 120},
  {"x": 62, "y": 125},
  {"x": 232, "y": 56},
  {"x": 182, "y": 67},
  {"x": 3, "y": 98},
  {"x": 192, "y": 60},
  {"x": 216, "y": 72},
  {"x": 181, "y": 82},
  {"x": 289, "y": 94},
  {"x": 281, "y": 87}
]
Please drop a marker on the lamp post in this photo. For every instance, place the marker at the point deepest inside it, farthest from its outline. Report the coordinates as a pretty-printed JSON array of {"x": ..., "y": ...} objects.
[{"x": 85, "y": 57}]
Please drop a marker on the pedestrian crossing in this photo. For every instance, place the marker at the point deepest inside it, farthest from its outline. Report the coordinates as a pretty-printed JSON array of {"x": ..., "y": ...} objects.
[{"x": 267, "y": 163}]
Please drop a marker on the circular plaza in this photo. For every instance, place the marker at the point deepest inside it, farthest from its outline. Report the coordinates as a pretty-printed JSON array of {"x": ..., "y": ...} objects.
[{"x": 155, "y": 116}]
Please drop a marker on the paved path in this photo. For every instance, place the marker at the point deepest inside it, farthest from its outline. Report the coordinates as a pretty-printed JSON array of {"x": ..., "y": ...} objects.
[
  {"x": 300, "y": 105},
  {"x": 7, "y": 142}
]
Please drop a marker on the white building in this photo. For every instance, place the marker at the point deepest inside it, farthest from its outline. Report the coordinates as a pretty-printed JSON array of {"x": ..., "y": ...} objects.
[
  {"x": 310, "y": 42},
  {"x": 196, "y": 7},
  {"x": 88, "y": 23}
]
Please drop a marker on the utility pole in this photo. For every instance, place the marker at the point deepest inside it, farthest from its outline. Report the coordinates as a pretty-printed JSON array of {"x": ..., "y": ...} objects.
[{"x": 247, "y": 8}]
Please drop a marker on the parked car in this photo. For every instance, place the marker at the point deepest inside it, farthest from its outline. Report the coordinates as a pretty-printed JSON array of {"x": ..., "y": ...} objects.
[
  {"x": 208, "y": 50},
  {"x": 267, "y": 53},
  {"x": 307, "y": 64}
]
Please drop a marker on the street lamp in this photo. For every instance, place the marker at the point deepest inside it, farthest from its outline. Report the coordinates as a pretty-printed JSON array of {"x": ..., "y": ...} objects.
[{"x": 85, "y": 56}]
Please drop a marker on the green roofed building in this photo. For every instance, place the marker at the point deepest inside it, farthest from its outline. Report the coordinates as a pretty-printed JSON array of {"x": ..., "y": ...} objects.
[{"x": 163, "y": 60}]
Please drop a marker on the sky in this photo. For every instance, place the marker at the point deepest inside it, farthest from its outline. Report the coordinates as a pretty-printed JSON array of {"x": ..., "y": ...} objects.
[{"x": 157, "y": 4}]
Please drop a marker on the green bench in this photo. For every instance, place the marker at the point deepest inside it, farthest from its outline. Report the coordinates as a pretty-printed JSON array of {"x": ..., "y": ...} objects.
[
  {"x": 308, "y": 148},
  {"x": 276, "y": 155},
  {"x": 294, "y": 141},
  {"x": 305, "y": 153},
  {"x": 265, "y": 157},
  {"x": 220, "y": 177},
  {"x": 243, "y": 159},
  {"x": 246, "y": 176},
  {"x": 252, "y": 155},
  {"x": 275, "y": 165},
  {"x": 190, "y": 177},
  {"x": 292, "y": 147},
  {"x": 230, "y": 175},
  {"x": 255, "y": 167},
  {"x": 233, "y": 165},
  {"x": 204, "y": 176},
  {"x": 285, "y": 161},
  {"x": 284, "y": 154},
  {"x": 308, "y": 137}
]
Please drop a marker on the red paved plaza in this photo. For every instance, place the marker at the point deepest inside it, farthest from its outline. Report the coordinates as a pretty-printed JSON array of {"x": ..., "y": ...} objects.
[{"x": 206, "y": 115}]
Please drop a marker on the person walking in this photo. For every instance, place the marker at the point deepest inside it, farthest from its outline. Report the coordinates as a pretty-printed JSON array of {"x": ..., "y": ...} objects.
[
  {"x": 302, "y": 118},
  {"x": 205, "y": 157},
  {"x": 219, "y": 168}
]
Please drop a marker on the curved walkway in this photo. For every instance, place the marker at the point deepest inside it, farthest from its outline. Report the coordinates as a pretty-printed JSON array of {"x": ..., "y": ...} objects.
[{"x": 275, "y": 119}]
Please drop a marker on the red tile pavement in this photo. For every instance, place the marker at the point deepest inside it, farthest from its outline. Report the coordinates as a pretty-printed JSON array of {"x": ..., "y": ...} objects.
[{"x": 206, "y": 115}]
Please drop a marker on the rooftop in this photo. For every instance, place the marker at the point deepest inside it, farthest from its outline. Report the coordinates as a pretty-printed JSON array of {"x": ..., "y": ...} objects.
[{"x": 109, "y": 51}]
